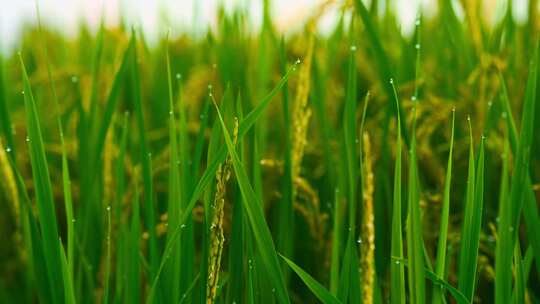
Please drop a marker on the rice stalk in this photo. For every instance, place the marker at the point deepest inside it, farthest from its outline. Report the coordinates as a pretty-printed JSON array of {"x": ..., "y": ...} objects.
[
  {"x": 367, "y": 241},
  {"x": 217, "y": 239},
  {"x": 301, "y": 114}
]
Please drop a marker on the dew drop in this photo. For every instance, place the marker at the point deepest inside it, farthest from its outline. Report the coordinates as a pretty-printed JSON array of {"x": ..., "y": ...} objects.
[
  {"x": 297, "y": 61},
  {"x": 273, "y": 290},
  {"x": 209, "y": 87},
  {"x": 73, "y": 220},
  {"x": 27, "y": 139},
  {"x": 397, "y": 262},
  {"x": 8, "y": 149},
  {"x": 413, "y": 98},
  {"x": 22, "y": 92},
  {"x": 453, "y": 109},
  {"x": 178, "y": 76},
  {"x": 391, "y": 80},
  {"x": 109, "y": 208},
  {"x": 490, "y": 103},
  {"x": 417, "y": 23},
  {"x": 359, "y": 241},
  {"x": 74, "y": 79},
  {"x": 353, "y": 48},
  {"x": 417, "y": 46},
  {"x": 182, "y": 226}
]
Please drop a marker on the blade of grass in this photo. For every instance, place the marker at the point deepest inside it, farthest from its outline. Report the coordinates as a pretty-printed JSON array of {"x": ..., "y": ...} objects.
[
  {"x": 472, "y": 221},
  {"x": 349, "y": 133},
  {"x": 508, "y": 223},
  {"x": 66, "y": 180},
  {"x": 5, "y": 119},
  {"x": 144, "y": 158},
  {"x": 174, "y": 199},
  {"x": 285, "y": 214},
  {"x": 318, "y": 290},
  {"x": 133, "y": 279},
  {"x": 456, "y": 293},
  {"x": 397, "y": 289},
  {"x": 440, "y": 267},
  {"x": 415, "y": 246},
  {"x": 69, "y": 295},
  {"x": 337, "y": 224},
  {"x": 44, "y": 194},
  {"x": 532, "y": 219},
  {"x": 518, "y": 295}
]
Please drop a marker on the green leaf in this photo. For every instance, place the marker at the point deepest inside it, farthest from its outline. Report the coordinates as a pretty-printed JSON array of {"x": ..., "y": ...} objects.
[
  {"x": 318, "y": 290},
  {"x": 43, "y": 191},
  {"x": 5, "y": 120},
  {"x": 458, "y": 296},
  {"x": 440, "y": 267},
  {"x": 133, "y": 279},
  {"x": 148, "y": 204},
  {"x": 397, "y": 290},
  {"x": 470, "y": 241},
  {"x": 519, "y": 192},
  {"x": 415, "y": 245}
]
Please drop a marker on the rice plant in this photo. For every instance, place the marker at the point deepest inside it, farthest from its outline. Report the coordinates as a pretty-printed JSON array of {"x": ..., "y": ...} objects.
[{"x": 250, "y": 165}]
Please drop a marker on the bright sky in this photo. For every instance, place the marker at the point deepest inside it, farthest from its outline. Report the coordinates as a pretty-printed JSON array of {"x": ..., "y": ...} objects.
[{"x": 156, "y": 16}]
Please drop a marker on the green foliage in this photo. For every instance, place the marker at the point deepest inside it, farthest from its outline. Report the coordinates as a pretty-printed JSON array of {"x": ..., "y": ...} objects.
[{"x": 113, "y": 152}]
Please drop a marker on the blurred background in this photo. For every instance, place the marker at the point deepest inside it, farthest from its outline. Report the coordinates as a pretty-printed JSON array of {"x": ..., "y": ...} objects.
[{"x": 193, "y": 16}]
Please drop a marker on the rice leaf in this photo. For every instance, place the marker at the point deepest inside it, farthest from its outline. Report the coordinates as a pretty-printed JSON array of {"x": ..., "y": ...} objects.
[
  {"x": 320, "y": 292},
  {"x": 144, "y": 158},
  {"x": 43, "y": 191},
  {"x": 472, "y": 222},
  {"x": 456, "y": 293},
  {"x": 440, "y": 267},
  {"x": 509, "y": 223},
  {"x": 397, "y": 289},
  {"x": 415, "y": 247}
]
